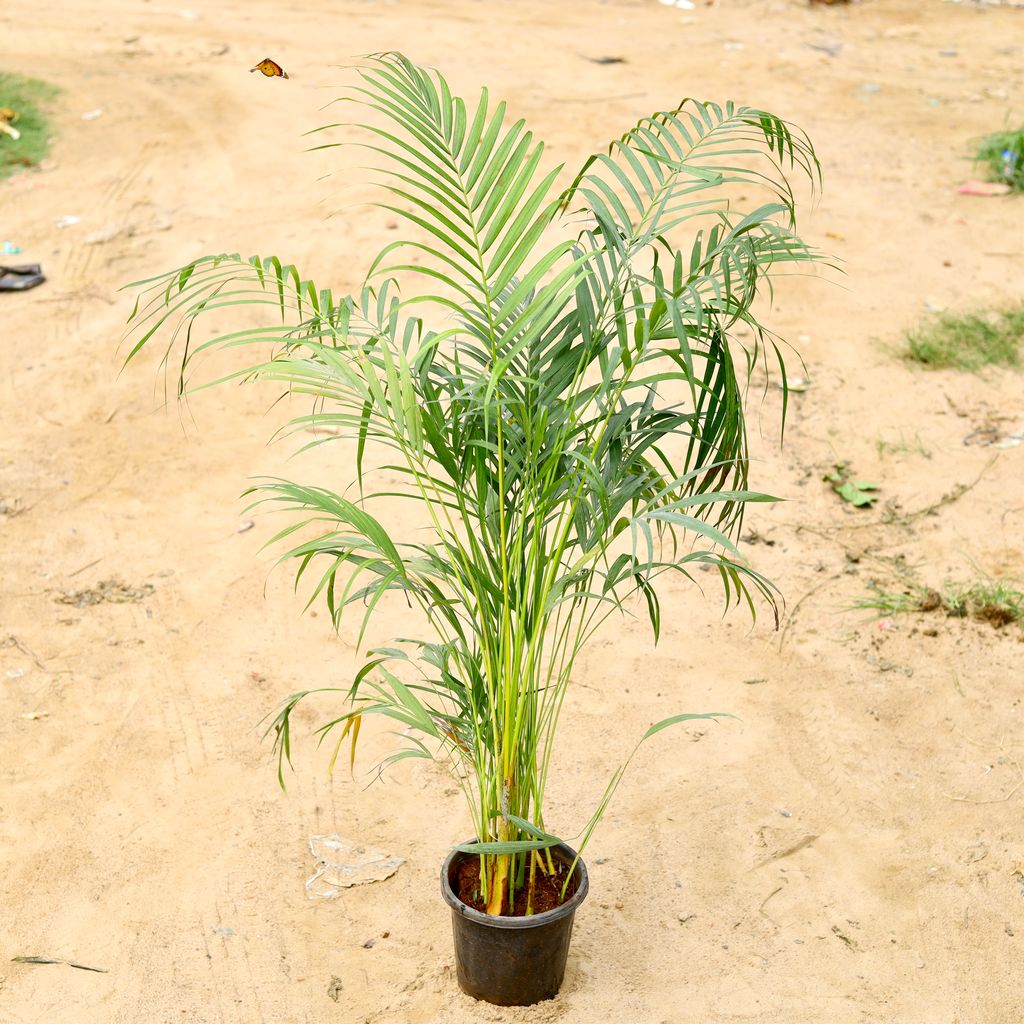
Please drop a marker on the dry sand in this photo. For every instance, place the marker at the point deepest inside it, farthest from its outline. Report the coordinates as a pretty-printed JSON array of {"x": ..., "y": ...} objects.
[{"x": 845, "y": 852}]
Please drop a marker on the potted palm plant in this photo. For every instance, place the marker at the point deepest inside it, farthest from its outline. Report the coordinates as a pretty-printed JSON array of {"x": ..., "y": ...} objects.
[{"x": 563, "y": 402}]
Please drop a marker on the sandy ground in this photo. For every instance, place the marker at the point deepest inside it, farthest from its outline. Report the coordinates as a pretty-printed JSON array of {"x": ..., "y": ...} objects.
[{"x": 845, "y": 852}]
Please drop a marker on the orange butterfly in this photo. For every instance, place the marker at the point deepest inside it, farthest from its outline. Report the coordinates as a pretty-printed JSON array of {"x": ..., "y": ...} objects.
[{"x": 270, "y": 68}]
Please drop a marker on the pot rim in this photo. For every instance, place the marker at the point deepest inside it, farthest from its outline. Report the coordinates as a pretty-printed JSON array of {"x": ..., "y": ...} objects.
[{"x": 505, "y": 920}]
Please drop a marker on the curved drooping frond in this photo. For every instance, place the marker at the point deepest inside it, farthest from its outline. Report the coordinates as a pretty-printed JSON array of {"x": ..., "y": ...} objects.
[{"x": 561, "y": 390}]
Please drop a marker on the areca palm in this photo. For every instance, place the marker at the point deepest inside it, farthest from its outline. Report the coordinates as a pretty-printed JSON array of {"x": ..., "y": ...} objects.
[{"x": 563, "y": 400}]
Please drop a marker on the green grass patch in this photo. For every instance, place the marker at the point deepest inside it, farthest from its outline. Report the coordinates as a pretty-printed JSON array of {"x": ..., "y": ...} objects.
[
  {"x": 993, "y": 601},
  {"x": 29, "y": 98},
  {"x": 969, "y": 341},
  {"x": 1003, "y": 155}
]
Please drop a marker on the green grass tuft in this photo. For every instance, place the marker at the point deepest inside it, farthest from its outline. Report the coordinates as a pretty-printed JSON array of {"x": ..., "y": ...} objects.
[
  {"x": 993, "y": 601},
  {"x": 29, "y": 97},
  {"x": 888, "y": 602},
  {"x": 903, "y": 446},
  {"x": 969, "y": 341},
  {"x": 1003, "y": 154}
]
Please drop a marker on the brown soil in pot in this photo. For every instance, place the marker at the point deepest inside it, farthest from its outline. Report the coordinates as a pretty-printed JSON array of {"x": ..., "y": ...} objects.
[{"x": 546, "y": 896}]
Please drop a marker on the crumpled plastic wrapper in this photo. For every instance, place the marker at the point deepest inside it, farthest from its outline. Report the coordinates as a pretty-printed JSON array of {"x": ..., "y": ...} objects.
[{"x": 342, "y": 864}]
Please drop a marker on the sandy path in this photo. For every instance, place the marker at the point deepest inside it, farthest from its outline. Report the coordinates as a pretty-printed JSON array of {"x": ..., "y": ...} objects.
[{"x": 843, "y": 853}]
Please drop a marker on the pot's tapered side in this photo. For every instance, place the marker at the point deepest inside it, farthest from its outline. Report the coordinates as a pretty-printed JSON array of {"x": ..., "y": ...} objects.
[{"x": 512, "y": 961}]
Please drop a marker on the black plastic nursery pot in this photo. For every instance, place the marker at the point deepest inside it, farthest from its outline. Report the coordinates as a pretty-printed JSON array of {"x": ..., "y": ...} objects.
[{"x": 512, "y": 961}]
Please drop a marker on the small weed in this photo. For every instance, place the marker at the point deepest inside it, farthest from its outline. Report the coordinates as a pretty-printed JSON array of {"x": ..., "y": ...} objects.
[
  {"x": 969, "y": 341},
  {"x": 854, "y": 492},
  {"x": 27, "y": 98},
  {"x": 891, "y": 603},
  {"x": 1003, "y": 154},
  {"x": 992, "y": 601},
  {"x": 902, "y": 446}
]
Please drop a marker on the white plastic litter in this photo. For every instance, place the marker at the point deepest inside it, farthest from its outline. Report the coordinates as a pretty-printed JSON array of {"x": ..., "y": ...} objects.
[{"x": 342, "y": 864}]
